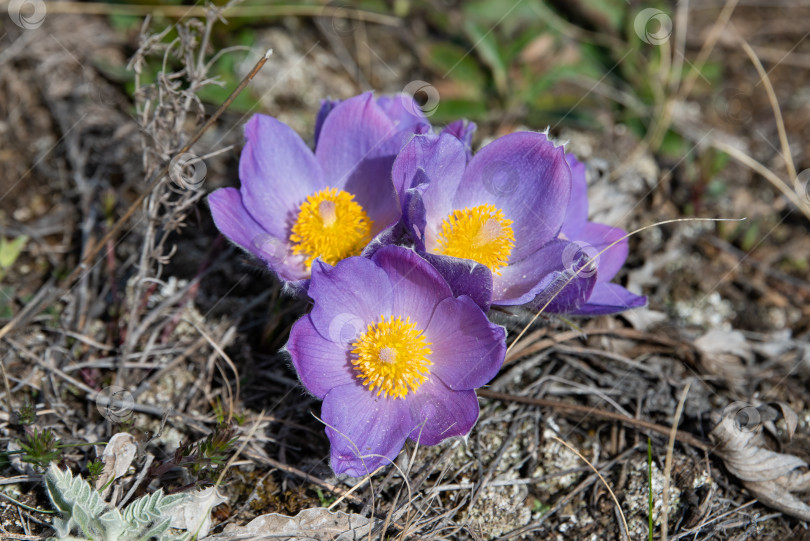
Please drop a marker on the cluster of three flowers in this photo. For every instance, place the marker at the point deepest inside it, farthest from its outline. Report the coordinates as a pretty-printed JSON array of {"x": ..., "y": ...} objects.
[{"x": 404, "y": 241}]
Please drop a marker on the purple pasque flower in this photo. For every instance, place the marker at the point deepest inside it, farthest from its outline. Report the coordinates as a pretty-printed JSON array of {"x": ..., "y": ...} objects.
[
  {"x": 294, "y": 205},
  {"x": 594, "y": 240},
  {"x": 406, "y": 114},
  {"x": 401, "y": 109},
  {"x": 491, "y": 226},
  {"x": 393, "y": 354}
]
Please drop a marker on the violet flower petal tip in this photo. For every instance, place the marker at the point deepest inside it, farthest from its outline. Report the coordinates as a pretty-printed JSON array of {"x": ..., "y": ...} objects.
[
  {"x": 365, "y": 432},
  {"x": 236, "y": 223},
  {"x": 278, "y": 171},
  {"x": 404, "y": 111},
  {"x": 609, "y": 299},
  {"x": 555, "y": 273},
  {"x": 604, "y": 244},
  {"x": 442, "y": 413},
  {"x": 471, "y": 348}
]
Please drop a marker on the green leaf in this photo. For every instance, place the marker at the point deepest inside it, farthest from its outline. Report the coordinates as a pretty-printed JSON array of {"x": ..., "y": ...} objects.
[
  {"x": 452, "y": 109},
  {"x": 83, "y": 520},
  {"x": 55, "y": 486},
  {"x": 113, "y": 523},
  {"x": 486, "y": 46},
  {"x": 10, "y": 250},
  {"x": 608, "y": 15},
  {"x": 452, "y": 61},
  {"x": 673, "y": 145},
  {"x": 157, "y": 530}
]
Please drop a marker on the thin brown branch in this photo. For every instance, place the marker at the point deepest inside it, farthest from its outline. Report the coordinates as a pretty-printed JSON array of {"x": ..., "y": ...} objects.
[{"x": 683, "y": 437}]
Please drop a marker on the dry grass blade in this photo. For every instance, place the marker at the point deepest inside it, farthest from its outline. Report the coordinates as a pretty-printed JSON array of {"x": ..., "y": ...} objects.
[
  {"x": 668, "y": 462},
  {"x": 291, "y": 10},
  {"x": 777, "y": 111}
]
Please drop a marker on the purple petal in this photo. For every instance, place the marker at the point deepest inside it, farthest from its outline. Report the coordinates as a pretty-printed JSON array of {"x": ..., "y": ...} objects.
[
  {"x": 527, "y": 177},
  {"x": 355, "y": 130},
  {"x": 466, "y": 277},
  {"x": 414, "y": 216},
  {"x": 403, "y": 110},
  {"x": 462, "y": 130},
  {"x": 577, "y": 214},
  {"x": 433, "y": 166},
  {"x": 609, "y": 299},
  {"x": 236, "y": 223},
  {"x": 443, "y": 160},
  {"x": 427, "y": 172},
  {"x": 439, "y": 413},
  {"x": 356, "y": 150},
  {"x": 371, "y": 185},
  {"x": 366, "y": 431},
  {"x": 326, "y": 108},
  {"x": 278, "y": 172},
  {"x": 597, "y": 237},
  {"x": 416, "y": 286},
  {"x": 550, "y": 274},
  {"x": 348, "y": 297},
  {"x": 321, "y": 364},
  {"x": 467, "y": 349}
]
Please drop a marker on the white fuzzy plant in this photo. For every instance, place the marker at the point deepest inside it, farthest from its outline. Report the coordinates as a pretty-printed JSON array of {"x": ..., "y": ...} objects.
[{"x": 81, "y": 508}]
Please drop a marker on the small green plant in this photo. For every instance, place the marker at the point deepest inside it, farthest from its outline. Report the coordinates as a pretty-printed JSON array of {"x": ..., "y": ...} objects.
[
  {"x": 27, "y": 414},
  {"x": 82, "y": 509},
  {"x": 325, "y": 500},
  {"x": 94, "y": 470},
  {"x": 213, "y": 450},
  {"x": 40, "y": 448},
  {"x": 203, "y": 459},
  {"x": 540, "y": 507}
]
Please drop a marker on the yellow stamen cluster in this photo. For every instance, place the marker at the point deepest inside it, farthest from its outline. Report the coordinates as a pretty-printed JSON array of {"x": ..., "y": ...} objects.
[
  {"x": 480, "y": 233},
  {"x": 330, "y": 225},
  {"x": 392, "y": 357}
]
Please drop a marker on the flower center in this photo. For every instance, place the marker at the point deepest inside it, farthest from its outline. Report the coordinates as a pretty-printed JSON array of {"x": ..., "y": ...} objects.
[
  {"x": 392, "y": 357},
  {"x": 480, "y": 233},
  {"x": 330, "y": 225}
]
